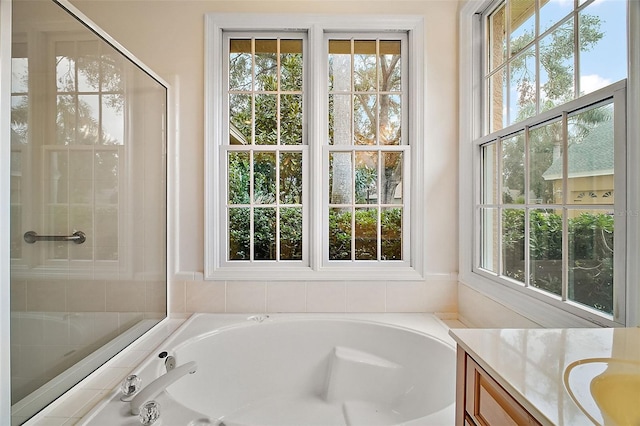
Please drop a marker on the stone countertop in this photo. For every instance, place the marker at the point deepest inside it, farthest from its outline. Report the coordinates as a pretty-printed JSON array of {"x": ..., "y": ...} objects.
[{"x": 530, "y": 363}]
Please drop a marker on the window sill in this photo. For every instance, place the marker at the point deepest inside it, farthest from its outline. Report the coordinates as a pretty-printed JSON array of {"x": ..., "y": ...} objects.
[
  {"x": 523, "y": 302},
  {"x": 309, "y": 274}
]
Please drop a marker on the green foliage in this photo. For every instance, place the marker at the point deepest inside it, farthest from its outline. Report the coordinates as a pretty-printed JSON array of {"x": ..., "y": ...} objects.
[
  {"x": 366, "y": 240},
  {"x": 590, "y": 253}
]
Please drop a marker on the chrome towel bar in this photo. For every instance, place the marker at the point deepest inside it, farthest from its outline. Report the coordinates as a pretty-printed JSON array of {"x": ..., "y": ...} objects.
[{"x": 77, "y": 237}]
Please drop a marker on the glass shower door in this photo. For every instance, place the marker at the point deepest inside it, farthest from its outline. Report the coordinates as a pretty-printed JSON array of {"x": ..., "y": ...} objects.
[{"x": 88, "y": 202}]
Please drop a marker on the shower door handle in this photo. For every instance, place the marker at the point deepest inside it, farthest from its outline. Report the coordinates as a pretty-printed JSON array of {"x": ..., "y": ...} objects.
[{"x": 77, "y": 237}]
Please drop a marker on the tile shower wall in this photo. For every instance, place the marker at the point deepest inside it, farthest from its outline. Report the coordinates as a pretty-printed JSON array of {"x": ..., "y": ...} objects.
[{"x": 438, "y": 295}]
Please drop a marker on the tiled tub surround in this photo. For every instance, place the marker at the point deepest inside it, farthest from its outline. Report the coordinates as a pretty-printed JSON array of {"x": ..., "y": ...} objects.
[
  {"x": 437, "y": 294},
  {"x": 299, "y": 364}
]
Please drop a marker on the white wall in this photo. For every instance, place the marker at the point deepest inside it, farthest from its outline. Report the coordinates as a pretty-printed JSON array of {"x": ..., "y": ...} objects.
[{"x": 168, "y": 36}]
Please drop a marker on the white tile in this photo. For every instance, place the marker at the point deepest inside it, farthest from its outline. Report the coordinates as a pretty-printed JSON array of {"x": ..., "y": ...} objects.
[
  {"x": 286, "y": 296},
  {"x": 245, "y": 296},
  {"x": 204, "y": 296},
  {"x": 442, "y": 296},
  {"x": 410, "y": 296},
  {"x": 366, "y": 296},
  {"x": 326, "y": 296}
]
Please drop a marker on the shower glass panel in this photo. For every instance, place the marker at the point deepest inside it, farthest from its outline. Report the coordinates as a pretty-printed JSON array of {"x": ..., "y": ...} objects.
[{"x": 88, "y": 202}]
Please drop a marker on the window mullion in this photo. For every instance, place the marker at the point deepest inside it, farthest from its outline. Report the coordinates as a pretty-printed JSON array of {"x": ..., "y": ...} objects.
[
  {"x": 500, "y": 208},
  {"x": 527, "y": 210},
  {"x": 565, "y": 211}
]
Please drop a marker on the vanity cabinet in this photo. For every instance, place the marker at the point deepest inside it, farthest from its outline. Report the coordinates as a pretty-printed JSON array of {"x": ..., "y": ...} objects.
[{"x": 481, "y": 401}]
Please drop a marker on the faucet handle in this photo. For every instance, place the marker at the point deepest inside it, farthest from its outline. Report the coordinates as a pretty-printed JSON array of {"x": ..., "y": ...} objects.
[
  {"x": 130, "y": 385},
  {"x": 149, "y": 413}
]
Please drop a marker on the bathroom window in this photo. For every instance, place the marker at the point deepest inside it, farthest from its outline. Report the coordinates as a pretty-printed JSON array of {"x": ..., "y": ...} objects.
[
  {"x": 552, "y": 159},
  {"x": 311, "y": 134}
]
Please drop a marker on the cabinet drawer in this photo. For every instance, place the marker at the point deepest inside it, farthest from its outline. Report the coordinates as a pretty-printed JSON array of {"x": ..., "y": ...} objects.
[{"x": 487, "y": 403}]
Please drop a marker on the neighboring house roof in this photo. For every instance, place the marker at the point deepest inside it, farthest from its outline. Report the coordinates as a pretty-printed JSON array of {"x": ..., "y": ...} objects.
[
  {"x": 235, "y": 136},
  {"x": 592, "y": 156}
]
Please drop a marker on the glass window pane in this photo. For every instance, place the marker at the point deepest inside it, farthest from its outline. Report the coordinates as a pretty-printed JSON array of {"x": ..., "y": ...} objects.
[
  {"x": 340, "y": 178},
  {"x": 339, "y": 234},
  {"x": 266, "y": 119},
  {"x": 239, "y": 177},
  {"x": 552, "y": 12},
  {"x": 366, "y": 177},
  {"x": 264, "y": 234},
  {"x": 19, "y": 73},
  {"x": 19, "y": 120},
  {"x": 591, "y": 235},
  {"x": 513, "y": 244},
  {"x": 111, "y": 70},
  {"x": 264, "y": 177},
  {"x": 291, "y": 65},
  {"x": 497, "y": 100},
  {"x": 88, "y": 116},
  {"x": 339, "y": 65},
  {"x": 545, "y": 164},
  {"x": 364, "y": 119},
  {"x": 390, "y": 119},
  {"x": 557, "y": 67},
  {"x": 545, "y": 250},
  {"x": 513, "y": 169},
  {"x": 291, "y": 177},
  {"x": 522, "y": 22},
  {"x": 340, "y": 119},
  {"x": 291, "y": 234},
  {"x": 489, "y": 189},
  {"x": 88, "y": 64},
  {"x": 266, "y": 65},
  {"x": 56, "y": 177},
  {"x": 66, "y": 120},
  {"x": 291, "y": 119},
  {"x": 240, "y": 119},
  {"x": 364, "y": 66},
  {"x": 391, "y": 188},
  {"x": 240, "y": 64},
  {"x": 390, "y": 66},
  {"x": 239, "y": 234},
  {"x": 106, "y": 233},
  {"x": 497, "y": 42},
  {"x": 113, "y": 119},
  {"x": 366, "y": 234},
  {"x": 591, "y": 157},
  {"x": 391, "y": 234},
  {"x": 603, "y": 44},
  {"x": 522, "y": 86},
  {"x": 65, "y": 67},
  {"x": 489, "y": 239}
]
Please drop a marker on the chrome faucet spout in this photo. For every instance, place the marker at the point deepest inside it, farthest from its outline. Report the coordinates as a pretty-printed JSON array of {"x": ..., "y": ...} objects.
[{"x": 154, "y": 388}]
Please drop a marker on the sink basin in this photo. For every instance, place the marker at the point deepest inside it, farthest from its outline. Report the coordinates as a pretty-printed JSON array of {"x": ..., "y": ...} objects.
[{"x": 607, "y": 390}]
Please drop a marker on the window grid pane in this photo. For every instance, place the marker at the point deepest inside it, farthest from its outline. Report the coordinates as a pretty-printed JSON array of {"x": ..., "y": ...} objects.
[
  {"x": 366, "y": 203},
  {"x": 581, "y": 48},
  {"x": 265, "y": 178},
  {"x": 563, "y": 248}
]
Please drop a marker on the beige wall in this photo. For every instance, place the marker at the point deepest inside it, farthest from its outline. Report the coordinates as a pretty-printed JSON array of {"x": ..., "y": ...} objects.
[{"x": 168, "y": 36}]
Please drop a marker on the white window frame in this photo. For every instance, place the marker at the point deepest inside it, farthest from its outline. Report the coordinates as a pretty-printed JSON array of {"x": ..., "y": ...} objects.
[
  {"x": 315, "y": 27},
  {"x": 528, "y": 304}
]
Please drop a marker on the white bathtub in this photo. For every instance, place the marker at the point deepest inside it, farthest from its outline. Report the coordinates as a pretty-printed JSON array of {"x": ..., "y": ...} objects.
[{"x": 295, "y": 370}]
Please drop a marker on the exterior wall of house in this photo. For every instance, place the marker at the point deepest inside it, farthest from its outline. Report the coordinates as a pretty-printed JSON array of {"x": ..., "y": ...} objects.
[
  {"x": 586, "y": 190},
  {"x": 168, "y": 36}
]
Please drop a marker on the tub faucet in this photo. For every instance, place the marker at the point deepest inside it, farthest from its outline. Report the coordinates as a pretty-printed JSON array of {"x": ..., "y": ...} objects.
[{"x": 161, "y": 383}]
